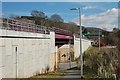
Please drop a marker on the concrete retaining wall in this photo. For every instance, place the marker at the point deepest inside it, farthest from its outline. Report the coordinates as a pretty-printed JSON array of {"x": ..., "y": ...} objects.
[
  {"x": 85, "y": 44},
  {"x": 25, "y": 54}
]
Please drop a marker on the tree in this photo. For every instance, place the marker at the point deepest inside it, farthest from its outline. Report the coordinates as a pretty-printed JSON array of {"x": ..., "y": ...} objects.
[
  {"x": 118, "y": 46},
  {"x": 36, "y": 13},
  {"x": 56, "y": 18}
]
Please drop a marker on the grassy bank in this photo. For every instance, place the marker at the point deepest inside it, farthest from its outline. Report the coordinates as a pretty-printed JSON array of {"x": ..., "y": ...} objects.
[{"x": 100, "y": 63}]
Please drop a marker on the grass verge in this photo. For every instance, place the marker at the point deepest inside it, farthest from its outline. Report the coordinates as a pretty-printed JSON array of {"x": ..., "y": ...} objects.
[{"x": 52, "y": 75}]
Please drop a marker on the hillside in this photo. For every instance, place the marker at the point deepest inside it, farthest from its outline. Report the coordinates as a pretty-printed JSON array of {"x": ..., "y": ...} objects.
[{"x": 48, "y": 23}]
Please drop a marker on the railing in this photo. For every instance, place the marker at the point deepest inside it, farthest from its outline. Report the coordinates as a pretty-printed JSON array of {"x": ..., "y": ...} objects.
[
  {"x": 19, "y": 25},
  {"x": 60, "y": 31}
]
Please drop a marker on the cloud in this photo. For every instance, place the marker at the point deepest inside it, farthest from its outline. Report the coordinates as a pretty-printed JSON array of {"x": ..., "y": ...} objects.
[
  {"x": 93, "y": 7},
  {"x": 88, "y": 7},
  {"x": 106, "y": 20}
]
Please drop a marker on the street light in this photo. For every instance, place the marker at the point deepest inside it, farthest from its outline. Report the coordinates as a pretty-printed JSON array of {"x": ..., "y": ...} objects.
[{"x": 81, "y": 54}]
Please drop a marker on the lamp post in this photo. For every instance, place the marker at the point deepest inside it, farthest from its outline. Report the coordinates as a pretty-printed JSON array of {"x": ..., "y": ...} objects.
[{"x": 81, "y": 54}]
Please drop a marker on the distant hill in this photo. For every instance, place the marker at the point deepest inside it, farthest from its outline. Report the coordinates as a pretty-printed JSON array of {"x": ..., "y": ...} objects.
[{"x": 95, "y": 30}]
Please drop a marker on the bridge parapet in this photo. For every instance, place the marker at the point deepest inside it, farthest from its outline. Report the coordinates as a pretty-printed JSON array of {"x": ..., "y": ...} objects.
[
  {"x": 60, "y": 31},
  {"x": 30, "y": 26},
  {"x": 25, "y": 26}
]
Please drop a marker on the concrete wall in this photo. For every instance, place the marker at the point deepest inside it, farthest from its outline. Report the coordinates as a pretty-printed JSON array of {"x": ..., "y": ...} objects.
[
  {"x": 65, "y": 50},
  {"x": 25, "y": 54},
  {"x": 85, "y": 44}
]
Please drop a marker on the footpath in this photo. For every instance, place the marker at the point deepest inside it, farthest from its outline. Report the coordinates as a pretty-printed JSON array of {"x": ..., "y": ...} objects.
[{"x": 72, "y": 74}]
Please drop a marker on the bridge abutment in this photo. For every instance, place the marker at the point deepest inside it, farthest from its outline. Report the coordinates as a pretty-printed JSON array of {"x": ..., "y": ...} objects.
[{"x": 24, "y": 54}]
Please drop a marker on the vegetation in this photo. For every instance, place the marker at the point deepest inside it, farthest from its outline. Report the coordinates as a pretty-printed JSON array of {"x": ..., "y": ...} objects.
[
  {"x": 114, "y": 39},
  {"x": 51, "y": 75},
  {"x": 49, "y": 23},
  {"x": 56, "y": 18},
  {"x": 102, "y": 64},
  {"x": 36, "y": 13}
]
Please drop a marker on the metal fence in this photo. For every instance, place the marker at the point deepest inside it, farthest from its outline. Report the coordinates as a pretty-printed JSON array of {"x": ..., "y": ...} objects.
[{"x": 28, "y": 26}]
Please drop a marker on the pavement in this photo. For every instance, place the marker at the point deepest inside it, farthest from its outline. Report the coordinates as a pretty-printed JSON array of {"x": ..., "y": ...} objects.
[
  {"x": 72, "y": 75},
  {"x": 65, "y": 66}
]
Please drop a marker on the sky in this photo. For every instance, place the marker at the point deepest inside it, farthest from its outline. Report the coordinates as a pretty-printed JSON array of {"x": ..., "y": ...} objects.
[
  {"x": 94, "y": 14},
  {"x": 60, "y": 0}
]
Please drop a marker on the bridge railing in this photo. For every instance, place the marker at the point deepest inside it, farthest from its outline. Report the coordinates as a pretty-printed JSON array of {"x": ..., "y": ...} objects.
[
  {"x": 18, "y": 25},
  {"x": 60, "y": 31},
  {"x": 26, "y": 26}
]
